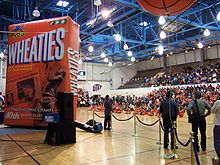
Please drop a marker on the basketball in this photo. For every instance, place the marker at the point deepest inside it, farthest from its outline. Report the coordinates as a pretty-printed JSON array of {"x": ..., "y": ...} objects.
[{"x": 165, "y": 7}]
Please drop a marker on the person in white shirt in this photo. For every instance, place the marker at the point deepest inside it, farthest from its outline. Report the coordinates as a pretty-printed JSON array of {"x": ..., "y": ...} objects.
[{"x": 216, "y": 131}]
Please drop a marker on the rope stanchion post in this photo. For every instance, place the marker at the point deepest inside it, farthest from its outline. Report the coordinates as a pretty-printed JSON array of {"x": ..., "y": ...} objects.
[
  {"x": 111, "y": 121},
  {"x": 159, "y": 142},
  {"x": 93, "y": 117},
  {"x": 135, "y": 128},
  {"x": 192, "y": 152},
  {"x": 175, "y": 155}
]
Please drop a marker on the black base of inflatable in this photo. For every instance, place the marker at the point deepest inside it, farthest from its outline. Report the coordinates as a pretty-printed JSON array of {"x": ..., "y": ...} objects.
[{"x": 60, "y": 133}]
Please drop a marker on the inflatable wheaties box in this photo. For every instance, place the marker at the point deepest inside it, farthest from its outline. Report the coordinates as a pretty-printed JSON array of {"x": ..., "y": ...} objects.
[{"x": 42, "y": 61}]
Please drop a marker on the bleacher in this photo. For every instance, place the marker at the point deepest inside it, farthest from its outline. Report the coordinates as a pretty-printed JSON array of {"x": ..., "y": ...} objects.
[{"x": 145, "y": 77}]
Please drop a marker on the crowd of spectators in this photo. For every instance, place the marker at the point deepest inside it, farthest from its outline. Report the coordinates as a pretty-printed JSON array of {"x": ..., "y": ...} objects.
[
  {"x": 200, "y": 75},
  {"x": 149, "y": 104}
]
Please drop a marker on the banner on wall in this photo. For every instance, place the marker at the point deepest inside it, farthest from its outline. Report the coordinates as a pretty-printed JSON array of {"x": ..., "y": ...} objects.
[
  {"x": 42, "y": 61},
  {"x": 81, "y": 75}
]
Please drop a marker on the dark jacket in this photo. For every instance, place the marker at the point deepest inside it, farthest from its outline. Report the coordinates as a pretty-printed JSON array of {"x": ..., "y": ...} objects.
[
  {"x": 108, "y": 107},
  {"x": 165, "y": 111}
]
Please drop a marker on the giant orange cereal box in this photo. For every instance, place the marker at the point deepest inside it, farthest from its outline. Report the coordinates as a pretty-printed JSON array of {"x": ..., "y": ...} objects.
[{"x": 42, "y": 61}]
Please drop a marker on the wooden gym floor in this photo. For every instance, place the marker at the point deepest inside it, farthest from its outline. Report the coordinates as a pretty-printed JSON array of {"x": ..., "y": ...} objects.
[{"x": 116, "y": 147}]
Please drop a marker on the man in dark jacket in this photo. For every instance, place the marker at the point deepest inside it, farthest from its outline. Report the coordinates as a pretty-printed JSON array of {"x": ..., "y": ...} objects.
[
  {"x": 204, "y": 109},
  {"x": 169, "y": 110},
  {"x": 108, "y": 110}
]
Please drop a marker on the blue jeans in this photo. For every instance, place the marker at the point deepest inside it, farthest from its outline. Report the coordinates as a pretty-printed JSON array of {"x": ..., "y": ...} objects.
[{"x": 216, "y": 132}]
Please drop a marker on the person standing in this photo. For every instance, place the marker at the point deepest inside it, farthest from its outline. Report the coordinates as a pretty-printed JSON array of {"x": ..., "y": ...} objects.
[
  {"x": 216, "y": 131},
  {"x": 2, "y": 100},
  {"x": 200, "y": 106},
  {"x": 169, "y": 111},
  {"x": 108, "y": 110}
]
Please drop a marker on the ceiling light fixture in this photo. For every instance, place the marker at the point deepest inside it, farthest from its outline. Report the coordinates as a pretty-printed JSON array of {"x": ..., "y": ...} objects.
[
  {"x": 163, "y": 34},
  {"x": 97, "y": 2},
  {"x": 105, "y": 60},
  {"x": 80, "y": 61},
  {"x": 143, "y": 24},
  {"x": 36, "y": 12},
  {"x": 161, "y": 20},
  {"x": 206, "y": 32},
  {"x": 91, "y": 22},
  {"x": 132, "y": 59},
  {"x": 117, "y": 37},
  {"x": 2, "y": 55},
  {"x": 218, "y": 16},
  {"x": 125, "y": 47},
  {"x": 160, "y": 48},
  {"x": 110, "y": 24},
  {"x": 200, "y": 45},
  {"x": 129, "y": 53},
  {"x": 62, "y": 3},
  {"x": 105, "y": 13},
  {"x": 102, "y": 55},
  {"x": 90, "y": 48}
]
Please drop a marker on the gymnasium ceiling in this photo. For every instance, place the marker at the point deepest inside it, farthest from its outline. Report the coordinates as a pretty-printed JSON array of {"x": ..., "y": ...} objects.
[{"x": 184, "y": 30}]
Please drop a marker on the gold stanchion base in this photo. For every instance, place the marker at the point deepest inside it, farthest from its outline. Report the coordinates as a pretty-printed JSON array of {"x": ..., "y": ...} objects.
[
  {"x": 160, "y": 143},
  {"x": 171, "y": 156}
]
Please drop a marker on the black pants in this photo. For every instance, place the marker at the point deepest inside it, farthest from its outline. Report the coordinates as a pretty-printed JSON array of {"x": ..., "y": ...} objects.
[
  {"x": 217, "y": 140},
  {"x": 168, "y": 129},
  {"x": 201, "y": 124},
  {"x": 107, "y": 122}
]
